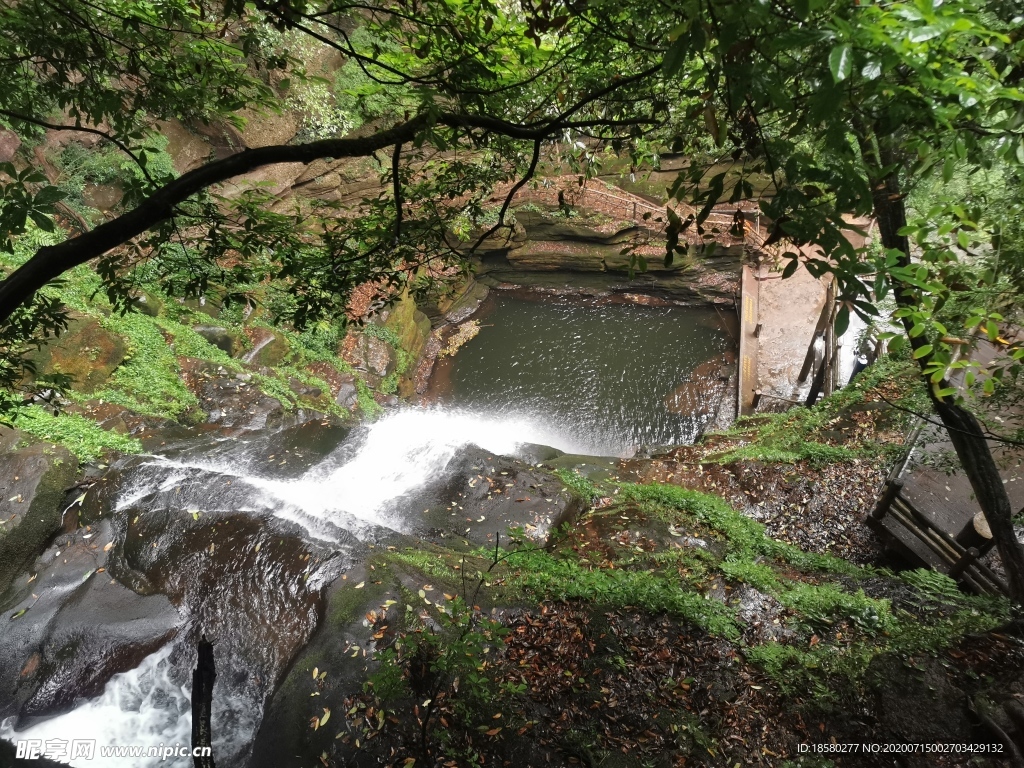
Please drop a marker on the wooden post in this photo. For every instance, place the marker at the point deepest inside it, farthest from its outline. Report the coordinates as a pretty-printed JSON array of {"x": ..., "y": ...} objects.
[
  {"x": 818, "y": 383},
  {"x": 757, "y": 399},
  {"x": 202, "y": 702},
  {"x": 963, "y": 563},
  {"x": 805, "y": 369},
  {"x": 819, "y": 330},
  {"x": 889, "y": 493}
]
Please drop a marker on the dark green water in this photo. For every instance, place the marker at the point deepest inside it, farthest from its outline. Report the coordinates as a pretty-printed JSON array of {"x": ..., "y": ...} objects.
[{"x": 610, "y": 378}]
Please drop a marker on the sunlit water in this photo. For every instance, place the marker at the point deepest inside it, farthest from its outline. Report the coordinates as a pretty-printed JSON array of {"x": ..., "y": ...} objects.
[{"x": 584, "y": 380}]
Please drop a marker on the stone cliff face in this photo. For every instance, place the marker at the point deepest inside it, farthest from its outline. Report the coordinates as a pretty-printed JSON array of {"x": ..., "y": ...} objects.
[{"x": 546, "y": 251}]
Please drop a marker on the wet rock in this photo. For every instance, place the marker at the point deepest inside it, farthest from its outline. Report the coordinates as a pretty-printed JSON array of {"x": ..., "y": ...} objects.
[
  {"x": 102, "y": 197},
  {"x": 110, "y": 416},
  {"x": 285, "y": 453},
  {"x": 341, "y": 386},
  {"x": 591, "y": 467},
  {"x": 761, "y": 615},
  {"x": 85, "y": 352},
  {"x": 536, "y": 454},
  {"x": 33, "y": 479},
  {"x": 480, "y": 496},
  {"x": 220, "y": 337},
  {"x": 205, "y": 304},
  {"x": 231, "y": 402},
  {"x": 369, "y": 354},
  {"x": 269, "y": 347},
  {"x": 341, "y": 651},
  {"x": 465, "y": 302},
  {"x": 302, "y": 389},
  {"x": 348, "y": 394},
  {"x": 75, "y": 628},
  {"x": 147, "y": 304}
]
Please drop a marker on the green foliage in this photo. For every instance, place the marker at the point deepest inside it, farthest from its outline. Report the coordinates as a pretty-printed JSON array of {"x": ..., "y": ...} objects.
[
  {"x": 106, "y": 164},
  {"x": 745, "y": 538},
  {"x": 822, "y": 606},
  {"x": 579, "y": 485},
  {"x": 549, "y": 577},
  {"x": 149, "y": 380},
  {"x": 383, "y": 333},
  {"x": 364, "y": 398},
  {"x": 82, "y": 436},
  {"x": 933, "y": 584},
  {"x": 796, "y": 435}
]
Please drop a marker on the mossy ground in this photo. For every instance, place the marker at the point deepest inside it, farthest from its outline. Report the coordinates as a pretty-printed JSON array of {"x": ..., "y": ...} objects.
[
  {"x": 630, "y": 642},
  {"x": 151, "y": 382}
]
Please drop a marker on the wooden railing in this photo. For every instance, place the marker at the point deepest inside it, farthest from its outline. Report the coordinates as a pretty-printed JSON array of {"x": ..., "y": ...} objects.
[
  {"x": 718, "y": 226},
  {"x": 962, "y": 562}
]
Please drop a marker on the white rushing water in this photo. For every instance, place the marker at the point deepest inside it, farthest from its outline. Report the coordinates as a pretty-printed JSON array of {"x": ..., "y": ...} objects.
[
  {"x": 355, "y": 487},
  {"x": 142, "y": 707},
  {"x": 352, "y": 488}
]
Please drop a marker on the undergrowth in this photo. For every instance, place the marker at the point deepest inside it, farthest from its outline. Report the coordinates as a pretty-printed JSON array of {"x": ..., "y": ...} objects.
[
  {"x": 83, "y": 437},
  {"x": 799, "y": 433}
]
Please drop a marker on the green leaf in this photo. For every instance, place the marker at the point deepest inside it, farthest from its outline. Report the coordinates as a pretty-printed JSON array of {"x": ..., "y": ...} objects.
[
  {"x": 922, "y": 351},
  {"x": 840, "y": 61},
  {"x": 872, "y": 70},
  {"x": 42, "y": 221},
  {"x": 50, "y": 195},
  {"x": 791, "y": 268},
  {"x": 921, "y": 34},
  {"x": 947, "y": 169},
  {"x": 842, "y": 320},
  {"x": 676, "y": 55}
]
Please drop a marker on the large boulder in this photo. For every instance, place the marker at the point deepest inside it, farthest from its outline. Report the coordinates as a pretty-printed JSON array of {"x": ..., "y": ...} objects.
[
  {"x": 220, "y": 337},
  {"x": 269, "y": 347},
  {"x": 85, "y": 351},
  {"x": 369, "y": 354},
  {"x": 232, "y": 400},
  {"x": 34, "y": 479},
  {"x": 70, "y": 628},
  {"x": 342, "y": 385},
  {"x": 9, "y": 144},
  {"x": 480, "y": 495}
]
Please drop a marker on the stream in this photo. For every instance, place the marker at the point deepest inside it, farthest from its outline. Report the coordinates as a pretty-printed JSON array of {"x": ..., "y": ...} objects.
[{"x": 237, "y": 538}]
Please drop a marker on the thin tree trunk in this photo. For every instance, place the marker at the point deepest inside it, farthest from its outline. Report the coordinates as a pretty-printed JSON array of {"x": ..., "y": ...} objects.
[
  {"x": 202, "y": 704},
  {"x": 965, "y": 432}
]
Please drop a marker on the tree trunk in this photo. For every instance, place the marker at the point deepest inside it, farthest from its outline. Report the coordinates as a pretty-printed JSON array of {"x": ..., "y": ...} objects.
[
  {"x": 202, "y": 704},
  {"x": 965, "y": 432}
]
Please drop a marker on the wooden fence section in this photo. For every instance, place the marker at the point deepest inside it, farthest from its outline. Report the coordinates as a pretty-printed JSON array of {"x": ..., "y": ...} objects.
[
  {"x": 719, "y": 227},
  {"x": 932, "y": 543}
]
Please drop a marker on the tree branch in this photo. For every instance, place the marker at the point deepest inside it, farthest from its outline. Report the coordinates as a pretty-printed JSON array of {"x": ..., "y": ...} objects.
[
  {"x": 511, "y": 194},
  {"x": 396, "y": 183}
]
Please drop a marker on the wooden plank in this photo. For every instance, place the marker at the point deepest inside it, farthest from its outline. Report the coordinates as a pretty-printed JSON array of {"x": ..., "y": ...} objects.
[{"x": 748, "y": 311}]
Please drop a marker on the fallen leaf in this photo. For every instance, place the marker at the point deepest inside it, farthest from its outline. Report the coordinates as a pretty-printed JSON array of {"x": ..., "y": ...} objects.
[{"x": 360, "y": 585}]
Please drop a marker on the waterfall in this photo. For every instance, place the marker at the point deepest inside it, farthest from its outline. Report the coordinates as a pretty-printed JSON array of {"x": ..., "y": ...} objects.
[{"x": 356, "y": 487}]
